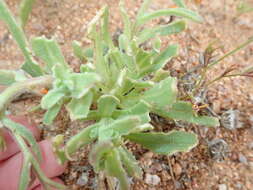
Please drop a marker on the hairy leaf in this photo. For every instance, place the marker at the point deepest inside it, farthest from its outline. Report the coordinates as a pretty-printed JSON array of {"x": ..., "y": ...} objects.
[
  {"x": 51, "y": 114},
  {"x": 105, "y": 28},
  {"x": 25, "y": 133},
  {"x": 49, "y": 51},
  {"x": 7, "y": 77},
  {"x": 127, "y": 23},
  {"x": 98, "y": 154},
  {"x": 82, "y": 82},
  {"x": 82, "y": 138},
  {"x": 107, "y": 105},
  {"x": 144, "y": 7},
  {"x": 182, "y": 12},
  {"x": 183, "y": 111},
  {"x": 25, "y": 10},
  {"x": 161, "y": 60},
  {"x": 78, "y": 50},
  {"x": 30, "y": 66},
  {"x": 114, "y": 168},
  {"x": 163, "y": 30},
  {"x": 163, "y": 95},
  {"x": 52, "y": 98},
  {"x": 140, "y": 110},
  {"x": 24, "y": 179},
  {"x": 118, "y": 128},
  {"x": 165, "y": 143},
  {"x": 130, "y": 163},
  {"x": 79, "y": 108}
]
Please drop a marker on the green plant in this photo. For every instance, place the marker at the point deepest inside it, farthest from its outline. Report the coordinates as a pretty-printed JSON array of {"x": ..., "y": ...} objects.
[
  {"x": 118, "y": 87},
  {"x": 244, "y": 7}
]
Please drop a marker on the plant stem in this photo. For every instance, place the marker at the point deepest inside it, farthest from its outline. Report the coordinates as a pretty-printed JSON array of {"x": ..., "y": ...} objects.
[
  {"x": 30, "y": 65},
  {"x": 232, "y": 52},
  {"x": 33, "y": 85},
  {"x": 203, "y": 73}
]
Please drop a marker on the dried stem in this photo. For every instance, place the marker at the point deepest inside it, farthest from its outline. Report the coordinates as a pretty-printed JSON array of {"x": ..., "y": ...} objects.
[{"x": 33, "y": 85}]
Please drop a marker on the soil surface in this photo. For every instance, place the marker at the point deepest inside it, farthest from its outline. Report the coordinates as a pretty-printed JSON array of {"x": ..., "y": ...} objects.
[{"x": 223, "y": 160}]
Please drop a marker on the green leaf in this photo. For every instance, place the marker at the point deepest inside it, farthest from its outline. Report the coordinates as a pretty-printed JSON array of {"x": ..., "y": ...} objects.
[
  {"x": 25, "y": 175},
  {"x": 30, "y": 65},
  {"x": 140, "y": 110},
  {"x": 143, "y": 9},
  {"x": 60, "y": 73},
  {"x": 105, "y": 28},
  {"x": 130, "y": 163},
  {"x": 180, "y": 3},
  {"x": 161, "y": 60},
  {"x": 164, "y": 30},
  {"x": 161, "y": 75},
  {"x": 52, "y": 98},
  {"x": 183, "y": 111},
  {"x": 78, "y": 50},
  {"x": 88, "y": 67},
  {"x": 49, "y": 51},
  {"x": 124, "y": 44},
  {"x": 82, "y": 83},
  {"x": 79, "y": 108},
  {"x": 51, "y": 114},
  {"x": 99, "y": 59},
  {"x": 82, "y": 138},
  {"x": 7, "y": 77},
  {"x": 114, "y": 168},
  {"x": 107, "y": 105},
  {"x": 163, "y": 95},
  {"x": 124, "y": 126},
  {"x": 25, "y": 10},
  {"x": 92, "y": 24},
  {"x": 182, "y": 12},
  {"x": 32, "y": 68},
  {"x": 244, "y": 7},
  {"x": 25, "y": 133},
  {"x": 98, "y": 154},
  {"x": 165, "y": 143},
  {"x": 144, "y": 58},
  {"x": 156, "y": 44},
  {"x": 126, "y": 20},
  {"x": 141, "y": 83},
  {"x": 118, "y": 128}
]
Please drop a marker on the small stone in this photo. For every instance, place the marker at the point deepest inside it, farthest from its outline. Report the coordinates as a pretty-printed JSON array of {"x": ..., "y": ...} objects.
[
  {"x": 178, "y": 185},
  {"x": 152, "y": 179},
  {"x": 250, "y": 145},
  {"x": 147, "y": 155},
  {"x": 222, "y": 187},
  {"x": 239, "y": 186},
  {"x": 242, "y": 159},
  {"x": 251, "y": 166},
  {"x": 82, "y": 180},
  {"x": 177, "y": 169}
]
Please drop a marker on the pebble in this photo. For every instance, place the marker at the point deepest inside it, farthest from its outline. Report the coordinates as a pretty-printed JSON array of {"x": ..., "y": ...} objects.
[
  {"x": 83, "y": 179},
  {"x": 152, "y": 179},
  {"x": 250, "y": 145},
  {"x": 242, "y": 159},
  {"x": 177, "y": 169},
  {"x": 222, "y": 187}
]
